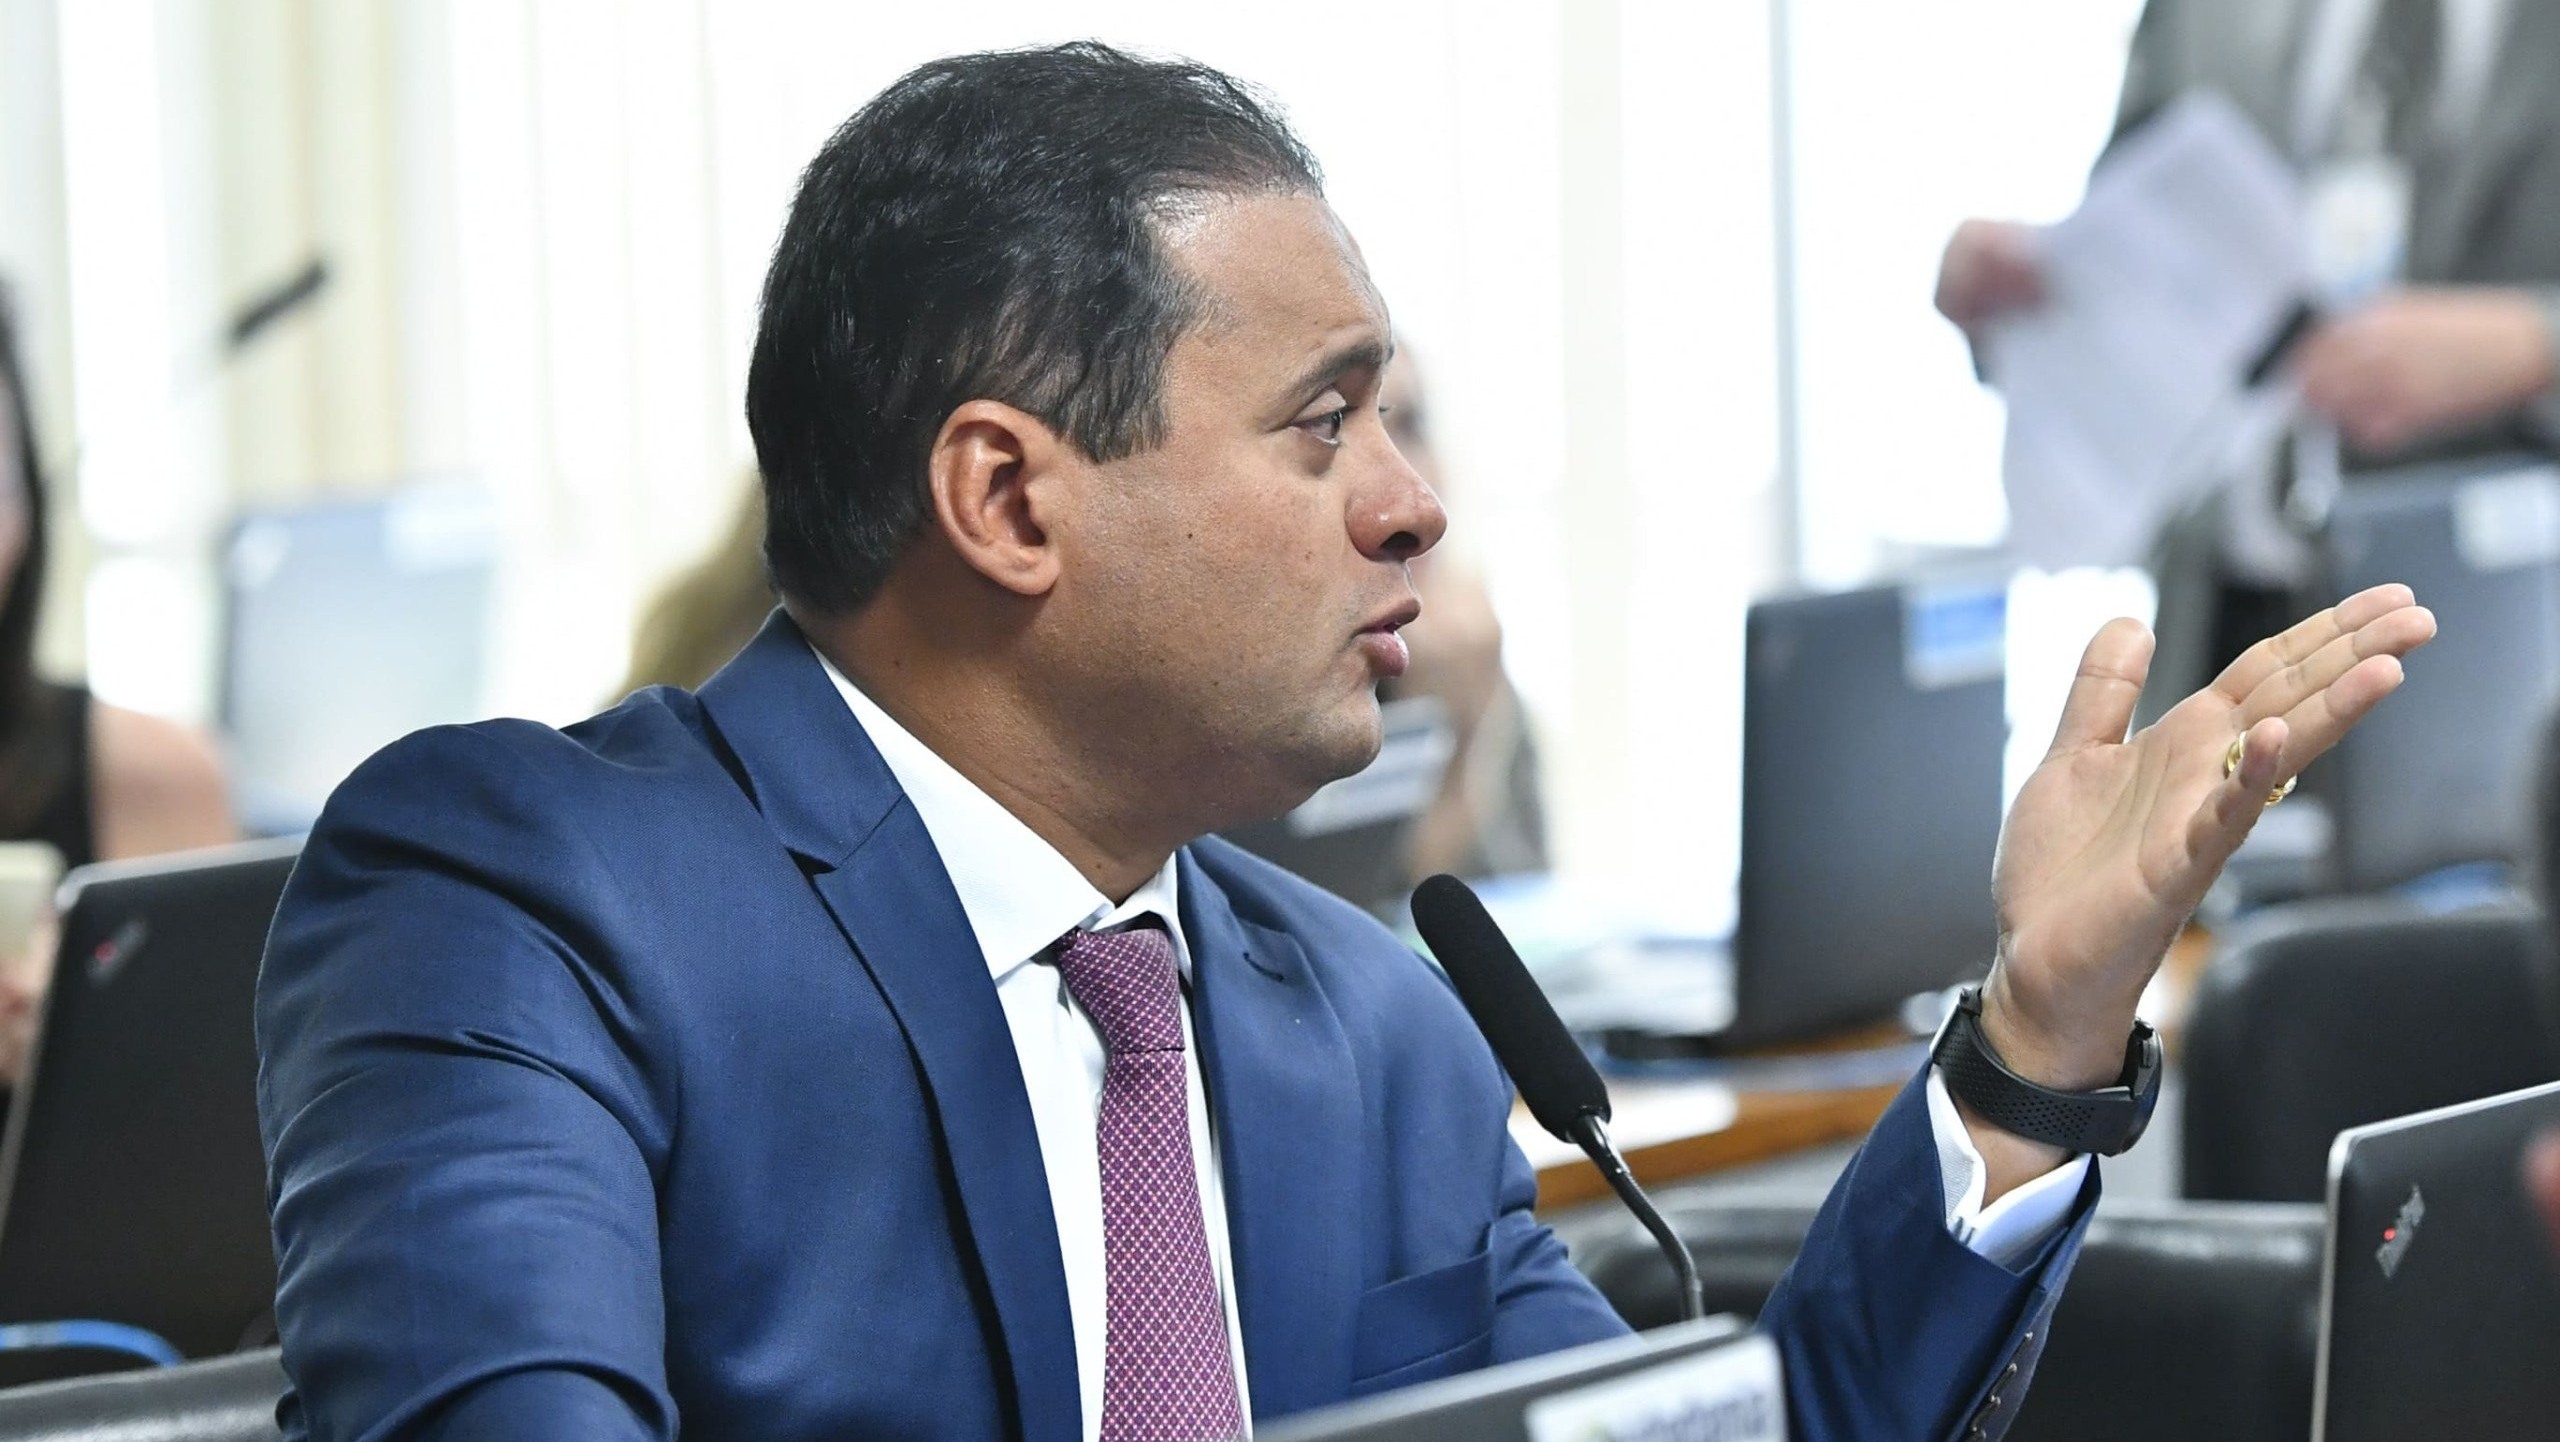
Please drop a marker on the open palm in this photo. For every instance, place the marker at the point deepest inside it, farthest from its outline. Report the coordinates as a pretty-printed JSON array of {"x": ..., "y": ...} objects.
[{"x": 2114, "y": 839}]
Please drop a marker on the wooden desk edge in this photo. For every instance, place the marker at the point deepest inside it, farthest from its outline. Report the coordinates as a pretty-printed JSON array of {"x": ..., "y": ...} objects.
[
  {"x": 1769, "y": 1125},
  {"x": 1766, "y": 1125}
]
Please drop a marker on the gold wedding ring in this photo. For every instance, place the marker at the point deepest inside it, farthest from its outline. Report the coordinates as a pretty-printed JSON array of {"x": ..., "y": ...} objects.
[{"x": 2231, "y": 768}]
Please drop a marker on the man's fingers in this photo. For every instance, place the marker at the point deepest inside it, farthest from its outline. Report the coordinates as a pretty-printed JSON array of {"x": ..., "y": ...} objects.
[
  {"x": 2394, "y": 633},
  {"x": 2100, "y": 706},
  {"x": 2280, "y": 746},
  {"x": 2322, "y": 720},
  {"x": 2231, "y": 808},
  {"x": 2306, "y": 638}
]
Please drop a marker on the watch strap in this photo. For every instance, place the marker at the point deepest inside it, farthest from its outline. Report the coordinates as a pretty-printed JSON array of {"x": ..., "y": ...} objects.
[{"x": 2106, "y": 1121}]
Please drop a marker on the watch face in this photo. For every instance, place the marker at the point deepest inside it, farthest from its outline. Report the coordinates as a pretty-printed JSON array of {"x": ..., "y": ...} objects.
[{"x": 2145, "y": 1084}]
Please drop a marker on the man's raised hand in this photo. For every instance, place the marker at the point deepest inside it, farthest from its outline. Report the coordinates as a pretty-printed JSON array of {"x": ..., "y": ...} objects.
[{"x": 2114, "y": 839}]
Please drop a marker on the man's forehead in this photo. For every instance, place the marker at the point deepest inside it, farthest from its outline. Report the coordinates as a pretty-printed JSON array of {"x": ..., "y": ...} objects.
[{"x": 1277, "y": 275}]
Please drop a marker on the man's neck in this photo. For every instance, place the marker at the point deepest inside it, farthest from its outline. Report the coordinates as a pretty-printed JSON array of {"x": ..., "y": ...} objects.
[{"x": 998, "y": 743}]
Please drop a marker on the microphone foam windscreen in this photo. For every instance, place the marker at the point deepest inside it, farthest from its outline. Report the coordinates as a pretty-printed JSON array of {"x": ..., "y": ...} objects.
[{"x": 1554, "y": 1076}]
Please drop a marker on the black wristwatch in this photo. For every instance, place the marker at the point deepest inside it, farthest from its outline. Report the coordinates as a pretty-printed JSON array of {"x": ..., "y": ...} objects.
[{"x": 2106, "y": 1121}]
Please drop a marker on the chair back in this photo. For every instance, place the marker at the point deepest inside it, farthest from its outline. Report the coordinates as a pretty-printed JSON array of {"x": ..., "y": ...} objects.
[
  {"x": 2181, "y": 1319},
  {"x": 2316, "y": 1017}
]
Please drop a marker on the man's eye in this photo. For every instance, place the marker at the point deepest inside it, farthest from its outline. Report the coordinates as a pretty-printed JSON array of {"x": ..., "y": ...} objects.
[{"x": 1327, "y": 427}]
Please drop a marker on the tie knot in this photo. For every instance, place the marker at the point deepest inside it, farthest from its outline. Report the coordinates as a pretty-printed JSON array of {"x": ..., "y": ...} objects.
[{"x": 1126, "y": 981}]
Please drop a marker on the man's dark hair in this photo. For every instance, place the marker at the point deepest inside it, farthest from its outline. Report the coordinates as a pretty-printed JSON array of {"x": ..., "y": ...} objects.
[{"x": 985, "y": 228}]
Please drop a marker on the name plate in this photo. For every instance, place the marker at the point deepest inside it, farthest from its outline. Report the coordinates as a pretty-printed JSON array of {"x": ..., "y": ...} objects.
[{"x": 1730, "y": 1394}]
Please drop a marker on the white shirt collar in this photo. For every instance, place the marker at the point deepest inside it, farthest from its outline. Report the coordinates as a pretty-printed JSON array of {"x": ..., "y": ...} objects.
[{"x": 1016, "y": 889}]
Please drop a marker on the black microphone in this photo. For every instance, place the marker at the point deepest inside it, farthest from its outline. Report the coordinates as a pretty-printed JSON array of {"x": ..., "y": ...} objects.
[
  {"x": 1562, "y": 1089},
  {"x": 260, "y": 313}
]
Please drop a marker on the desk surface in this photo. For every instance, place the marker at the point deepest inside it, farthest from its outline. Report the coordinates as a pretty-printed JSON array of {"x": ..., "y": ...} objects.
[{"x": 1671, "y": 1131}]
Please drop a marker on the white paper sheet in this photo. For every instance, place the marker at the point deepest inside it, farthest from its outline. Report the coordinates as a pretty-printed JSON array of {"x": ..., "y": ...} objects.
[{"x": 2126, "y": 387}]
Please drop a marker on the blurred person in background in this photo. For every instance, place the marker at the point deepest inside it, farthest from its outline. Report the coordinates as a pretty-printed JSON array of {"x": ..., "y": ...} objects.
[
  {"x": 2542, "y": 1173},
  {"x": 710, "y": 612},
  {"x": 98, "y": 782},
  {"x": 2455, "y": 103},
  {"x": 95, "y": 782},
  {"x": 2542, "y": 1159},
  {"x": 1488, "y": 819}
]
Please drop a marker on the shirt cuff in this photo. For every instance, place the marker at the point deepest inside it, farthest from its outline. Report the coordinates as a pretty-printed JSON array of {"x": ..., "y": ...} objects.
[{"x": 2013, "y": 1229}]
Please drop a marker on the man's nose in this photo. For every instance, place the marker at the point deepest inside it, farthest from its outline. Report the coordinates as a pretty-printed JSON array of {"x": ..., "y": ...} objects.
[{"x": 1396, "y": 518}]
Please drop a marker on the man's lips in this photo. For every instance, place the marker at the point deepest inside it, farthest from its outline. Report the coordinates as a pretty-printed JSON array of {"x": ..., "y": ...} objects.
[
  {"x": 1385, "y": 649},
  {"x": 1404, "y": 613}
]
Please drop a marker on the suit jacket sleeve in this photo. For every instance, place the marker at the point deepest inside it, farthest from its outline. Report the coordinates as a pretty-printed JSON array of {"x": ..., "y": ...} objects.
[
  {"x": 1541, "y": 1302},
  {"x": 458, "y": 1139},
  {"x": 1890, "y": 1327}
]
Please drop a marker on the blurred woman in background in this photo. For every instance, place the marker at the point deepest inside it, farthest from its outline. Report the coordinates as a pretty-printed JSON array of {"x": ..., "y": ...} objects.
[
  {"x": 709, "y": 613},
  {"x": 96, "y": 781},
  {"x": 1488, "y": 818}
]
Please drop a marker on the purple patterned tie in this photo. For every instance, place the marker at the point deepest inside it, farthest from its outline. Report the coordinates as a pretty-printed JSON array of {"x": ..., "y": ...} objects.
[{"x": 1167, "y": 1373}]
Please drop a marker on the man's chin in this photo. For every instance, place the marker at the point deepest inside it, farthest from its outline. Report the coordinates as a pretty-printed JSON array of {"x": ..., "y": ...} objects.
[
  {"x": 1310, "y": 761},
  {"x": 1348, "y": 746}
]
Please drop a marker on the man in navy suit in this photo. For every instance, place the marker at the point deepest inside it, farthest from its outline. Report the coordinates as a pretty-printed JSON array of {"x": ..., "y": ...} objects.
[{"x": 870, "y": 1046}]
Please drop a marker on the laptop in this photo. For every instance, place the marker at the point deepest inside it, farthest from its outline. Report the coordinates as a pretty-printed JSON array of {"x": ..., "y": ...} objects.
[
  {"x": 2440, "y": 1302},
  {"x": 2442, "y": 775},
  {"x": 1351, "y": 837},
  {"x": 1874, "y": 724},
  {"x": 347, "y": 625},
  {"x": 1705, "y": 1379},
  {"x": 132, "y": 1184},
  {"x": 1873, "y": 729}
]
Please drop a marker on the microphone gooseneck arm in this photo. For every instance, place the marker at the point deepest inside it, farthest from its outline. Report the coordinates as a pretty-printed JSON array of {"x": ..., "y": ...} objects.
[
  {"x": 1555, "y": 1078},
  {"x": 1591, "y": 1133}
]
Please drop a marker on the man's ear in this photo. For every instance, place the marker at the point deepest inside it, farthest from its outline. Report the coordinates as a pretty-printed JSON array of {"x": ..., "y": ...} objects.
[{"x": 984, "y": 477}]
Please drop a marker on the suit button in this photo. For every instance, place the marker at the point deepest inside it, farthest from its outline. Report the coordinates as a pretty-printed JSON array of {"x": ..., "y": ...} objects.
[
  {"x": 2011, "y": 1372},
  {"x": 1991, "y": 1404}
]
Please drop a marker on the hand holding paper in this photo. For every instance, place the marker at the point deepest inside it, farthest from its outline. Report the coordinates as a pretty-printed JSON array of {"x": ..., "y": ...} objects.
[{"x": 2129, "y": 382}]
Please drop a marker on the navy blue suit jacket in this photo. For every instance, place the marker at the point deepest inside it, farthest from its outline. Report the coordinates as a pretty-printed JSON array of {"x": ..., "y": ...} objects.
[{"x": 645, "y": 1078}]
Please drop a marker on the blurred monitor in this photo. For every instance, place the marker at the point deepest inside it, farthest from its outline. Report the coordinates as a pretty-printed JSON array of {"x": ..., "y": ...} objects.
[
  {"x": 1873, "y": 726},
  {"x": 132, "y": 1185},
  {"x": 2440, "y": 1303},
  {"x": 347, "y": 625},
  {"x": 1702, "y": 1379},
  {"x": 2441, "y": 775},
  {"x": 1351, "y": 837}
]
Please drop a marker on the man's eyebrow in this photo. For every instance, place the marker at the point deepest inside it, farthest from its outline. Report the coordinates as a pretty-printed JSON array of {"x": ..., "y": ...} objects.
[{"x": 1371, "y": 354}]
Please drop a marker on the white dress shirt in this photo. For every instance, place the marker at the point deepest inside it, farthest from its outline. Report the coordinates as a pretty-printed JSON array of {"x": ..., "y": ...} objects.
[
  {"x": 2013, "y": 1229},
  {"x": 1020, "y": 895}
]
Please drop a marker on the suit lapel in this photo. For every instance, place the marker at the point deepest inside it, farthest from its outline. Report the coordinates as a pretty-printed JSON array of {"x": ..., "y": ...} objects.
[
  {"x": 2517, "y": 112},
  {"x": 896, "y": 904},
  {"x": 1286, "y": 1106},
  {"x": 823, "y": 787}
]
